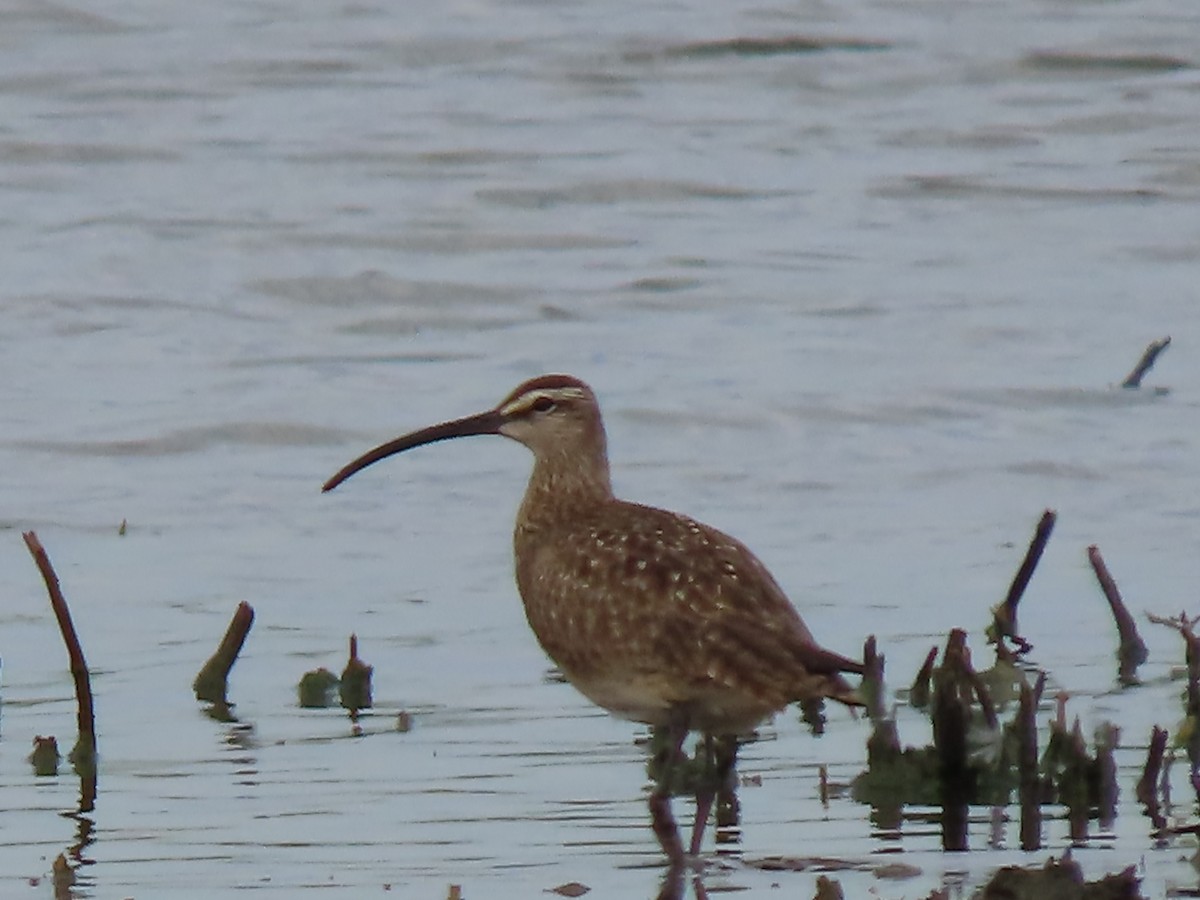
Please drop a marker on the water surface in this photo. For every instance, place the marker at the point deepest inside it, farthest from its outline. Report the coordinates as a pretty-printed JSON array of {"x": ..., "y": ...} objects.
[{"x": 852, "y": 282}]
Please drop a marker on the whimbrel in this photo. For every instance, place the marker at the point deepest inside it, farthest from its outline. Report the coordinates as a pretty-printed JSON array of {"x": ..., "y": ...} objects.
[{"x": 651, "y": 615}]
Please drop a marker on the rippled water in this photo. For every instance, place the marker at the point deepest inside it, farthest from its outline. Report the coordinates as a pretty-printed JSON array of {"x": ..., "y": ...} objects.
[{"x": 853, "y": 283}]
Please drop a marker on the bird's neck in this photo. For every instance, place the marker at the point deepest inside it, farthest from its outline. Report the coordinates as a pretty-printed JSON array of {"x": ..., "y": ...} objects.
[{"x": 565, "y": 484}]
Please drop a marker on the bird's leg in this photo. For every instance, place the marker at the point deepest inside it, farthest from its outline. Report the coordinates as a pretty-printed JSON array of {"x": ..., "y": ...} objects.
[
  {"x": 720, "y": 754},
  {"x": 728, "y": 812},
  {"x": 706, "y": 790},
  {"x": 661, "y": 817}
]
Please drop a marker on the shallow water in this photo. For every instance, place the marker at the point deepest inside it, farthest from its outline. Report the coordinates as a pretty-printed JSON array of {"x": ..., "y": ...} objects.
[{"x": 852, "y": 281}]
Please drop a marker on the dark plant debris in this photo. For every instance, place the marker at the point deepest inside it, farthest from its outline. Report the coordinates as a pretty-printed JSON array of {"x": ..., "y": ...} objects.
[
  {"x": 570, "y": 889},
  {"x": 317, "y": 688},
  {"x": 976, "y": 760},
  {"x": 45, "y": 756},
  {"x": 1062, "y": 880}
]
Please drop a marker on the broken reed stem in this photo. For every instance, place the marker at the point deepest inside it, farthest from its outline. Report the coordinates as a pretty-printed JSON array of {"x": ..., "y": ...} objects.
[
  {"x": 84, "y": 753},
  {"x": 986, "y": 705},
  {"x": 1147, "y": 786},
  {"x": 950, "y": 720},
  {"x": 1108, "y": 736},
  {"x": 871, "y": 686},
  {"x": 1148, "y": 789},
  {"x": 919, "y": 692},
  {"x": 1039, "y": 688},
  {"x": 1073, "y": 783},
  {"x": 212, "y": 682},
  {"x": 1134, "y": 378},
  {"x": 1006, "y": 615},
  {"x": 883, "y": 746},
  {"x": 1132, "y": 652},
  {"x": 354, "y": 687},
  {"x": 1027, "y": 767},
  {"x": 951, "y": 714}
]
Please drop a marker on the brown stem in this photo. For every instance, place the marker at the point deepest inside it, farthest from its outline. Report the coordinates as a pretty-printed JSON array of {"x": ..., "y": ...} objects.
[
  {"x": 919, "y": 692},
  {"x": 1027, "y": 766},
  {"x": 984, "y": 696},
  {"x": 1134, "y": 378},
  {"x": 1039, "y": 688},
  {"x": 1147, "y": 786},
  {"x": 872, "y": 681},
  {"x": 212, "y": 682},
  {"x": 1107, "y": 738},
  {"x": 951, "y": 717},
  {"x": 1073, "y": 785},
  {"x": 354, "y": 688},
  {"x": 1006, "y": 615},
  {"x": 1132, "y": 652},
  {"x": 84, "y": 754}
]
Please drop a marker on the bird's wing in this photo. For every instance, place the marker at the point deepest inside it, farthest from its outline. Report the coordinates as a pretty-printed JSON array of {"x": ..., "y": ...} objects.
[{"x": 683, "y": 597}]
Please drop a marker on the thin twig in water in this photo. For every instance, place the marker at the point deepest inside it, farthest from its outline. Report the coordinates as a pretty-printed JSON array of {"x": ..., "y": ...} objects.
[
  {"x": 84, "y": 753},
  {"x": 1132, "y": 652},
  {"x": 79, "y": 669},
  {"x": 872, "y": 680},
  {"x": 1005, "y": 616},
  {"x": 1147, "y": 786}
]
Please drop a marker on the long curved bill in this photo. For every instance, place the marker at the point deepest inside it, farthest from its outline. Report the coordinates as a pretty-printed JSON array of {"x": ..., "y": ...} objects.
[{"x": 483, "y": 423}]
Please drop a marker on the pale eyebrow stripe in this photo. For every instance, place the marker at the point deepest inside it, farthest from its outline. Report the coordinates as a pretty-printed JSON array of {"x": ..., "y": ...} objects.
[{"x": 526, "y": 399}]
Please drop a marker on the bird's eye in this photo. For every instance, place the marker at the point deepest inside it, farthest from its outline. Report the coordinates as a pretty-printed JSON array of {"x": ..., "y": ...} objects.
[{"x": 543, "y": 404}]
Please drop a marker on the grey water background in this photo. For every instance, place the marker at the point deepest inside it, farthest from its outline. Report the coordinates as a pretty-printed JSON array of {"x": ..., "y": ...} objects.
[{"x": 855, "y": 291}]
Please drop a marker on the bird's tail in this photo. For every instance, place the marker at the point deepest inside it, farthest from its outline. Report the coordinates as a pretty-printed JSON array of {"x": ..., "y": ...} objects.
[
  {"x": 839, "y": 689},
  {"x": 831, "y": 665}
]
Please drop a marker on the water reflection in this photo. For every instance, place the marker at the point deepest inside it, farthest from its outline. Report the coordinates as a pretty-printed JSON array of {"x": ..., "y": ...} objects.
[
  {"x": 239, "y": 737},
  {"x": 729, "y": 819},
  {"x": 269, "y": 244},
  {"x": 69, "y": 870},
  {"x": 220, "y": 711},
  {"x": 87, "y": 789},
  {"x": 85, "y": 827},
  {"x": 674, "y": 885}
]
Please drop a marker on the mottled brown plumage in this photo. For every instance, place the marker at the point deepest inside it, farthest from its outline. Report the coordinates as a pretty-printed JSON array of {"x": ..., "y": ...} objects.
[{"x": 650, "y": 614}]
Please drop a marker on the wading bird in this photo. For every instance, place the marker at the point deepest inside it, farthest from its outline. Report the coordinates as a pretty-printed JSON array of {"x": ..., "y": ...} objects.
[{"x": 651, "y": 615}]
